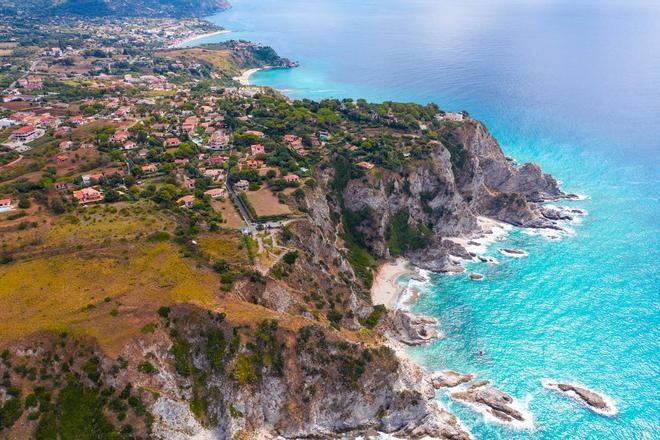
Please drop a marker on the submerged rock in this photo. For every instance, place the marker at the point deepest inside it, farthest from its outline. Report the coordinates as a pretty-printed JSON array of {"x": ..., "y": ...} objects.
[
  {"x": 513, "y": 252},
  {"x": 591, "y": 399},
  {"x": 494, "y": 402},
  {"x": 449, "y": 379},
  {"x": 476, "y": 276}
]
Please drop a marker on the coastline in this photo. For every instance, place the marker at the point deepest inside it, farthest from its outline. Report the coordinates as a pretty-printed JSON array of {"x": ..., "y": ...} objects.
[
  {"x": 244, "y": 78},
  {"x": 177, "y": 44},
  {"x": 386, "y": 290}
]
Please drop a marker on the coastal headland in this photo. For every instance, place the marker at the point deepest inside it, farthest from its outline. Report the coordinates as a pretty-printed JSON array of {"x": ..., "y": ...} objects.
[{"x": 187, "y": 257}]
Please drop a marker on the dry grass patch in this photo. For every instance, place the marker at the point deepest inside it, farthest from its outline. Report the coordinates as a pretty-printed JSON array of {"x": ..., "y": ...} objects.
[
  {"x": 229, "y": 213},
  {"x": 224, "y": 245},
  {"x": 77, "y": 293},
  {"x": 266, "y": 204},
  {"x": 219, "y": 59}
]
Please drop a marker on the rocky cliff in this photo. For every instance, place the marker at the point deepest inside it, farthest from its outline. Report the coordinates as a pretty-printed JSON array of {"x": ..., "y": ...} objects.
[{"x": 465, "y": 176}]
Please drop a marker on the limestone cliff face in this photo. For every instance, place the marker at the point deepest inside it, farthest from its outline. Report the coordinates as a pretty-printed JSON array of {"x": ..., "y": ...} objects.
[
  {"x": 465, "y": 176},
  {"x": 302, "y": 382}
]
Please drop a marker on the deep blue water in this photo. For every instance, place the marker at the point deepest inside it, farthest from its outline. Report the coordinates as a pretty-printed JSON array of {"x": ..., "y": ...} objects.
[{"x": 571, "y": 85}]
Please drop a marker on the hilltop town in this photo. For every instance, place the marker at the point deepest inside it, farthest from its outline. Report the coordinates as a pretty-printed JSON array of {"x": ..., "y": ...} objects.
[{"x": 183, "y": 255}]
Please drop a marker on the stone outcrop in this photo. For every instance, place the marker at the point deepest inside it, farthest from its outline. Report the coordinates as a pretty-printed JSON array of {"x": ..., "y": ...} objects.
[
  {"x": 450, "y": 379},
  {"x": 497, "y": 403},
  {"x": 592, "y": 400}
]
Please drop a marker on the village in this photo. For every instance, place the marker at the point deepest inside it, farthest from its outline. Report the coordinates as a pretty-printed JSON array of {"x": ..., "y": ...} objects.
[{"x": 84, "y": 123}]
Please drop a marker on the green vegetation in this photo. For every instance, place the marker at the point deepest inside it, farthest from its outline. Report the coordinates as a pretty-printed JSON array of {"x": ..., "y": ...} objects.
[{"x": 402, "y": 237}]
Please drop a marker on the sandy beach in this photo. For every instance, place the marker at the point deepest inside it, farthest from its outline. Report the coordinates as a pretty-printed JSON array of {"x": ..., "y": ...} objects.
[
  {"x": 385, "y": 289},
  {"x": 180, "y": 43},
  {"x": 244, "y": 79}
]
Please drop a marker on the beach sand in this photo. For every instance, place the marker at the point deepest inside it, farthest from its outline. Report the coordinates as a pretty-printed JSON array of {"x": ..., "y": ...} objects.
[
  {"x": 179, "y": 43},
  {"x": 244, "y": 79},
  {"x": 386, "y": 290}
]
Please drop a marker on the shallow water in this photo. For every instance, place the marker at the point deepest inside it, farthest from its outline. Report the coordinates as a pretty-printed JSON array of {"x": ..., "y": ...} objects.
[{"x": 571, "y": 85}]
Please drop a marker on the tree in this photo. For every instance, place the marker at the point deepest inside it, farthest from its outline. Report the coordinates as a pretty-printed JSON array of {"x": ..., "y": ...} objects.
[{"x": 23, "y": 202}]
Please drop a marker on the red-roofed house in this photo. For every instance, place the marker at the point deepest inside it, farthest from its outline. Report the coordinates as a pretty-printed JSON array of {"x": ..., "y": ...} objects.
[
  {"x": 365, "y": 165},
  {"x": 87, "y": 195},
  {"x": 119, "y": 136},
  {"x": 257, "y": 149},
  {"x": 26, "y": 134},
  {"x": 186, "y": 201},
  {"x": 291, "y": 178},
  {"x": 172, "y": 142},
  {"x": 215, "y": 193},
  {"x": 149, "y": 168},
  {"x": 5, "y": 204}
]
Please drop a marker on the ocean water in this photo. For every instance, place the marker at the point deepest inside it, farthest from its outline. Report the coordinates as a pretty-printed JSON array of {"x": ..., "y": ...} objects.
[{"x": 571, "y": 85}]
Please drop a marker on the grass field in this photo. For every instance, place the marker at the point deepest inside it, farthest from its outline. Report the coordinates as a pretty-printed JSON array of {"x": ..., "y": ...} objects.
[
  {"x": 266, "y": 204},
  {"x": 219, "y": 59},
  {"x": 78, "y": 292},
  {"x": 229, "y": 214},
  {"x": 224, "y": 246},
  {"x": 96, "y": 226}
]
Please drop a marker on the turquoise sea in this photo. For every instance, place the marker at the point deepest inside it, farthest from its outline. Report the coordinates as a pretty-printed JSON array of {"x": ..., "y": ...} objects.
[{"x": 573, "y": 85}]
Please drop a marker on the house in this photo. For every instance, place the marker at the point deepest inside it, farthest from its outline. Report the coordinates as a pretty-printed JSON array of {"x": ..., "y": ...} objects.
[
  {"x": 34, "y": 82},
  {"x": 76, "y": 120},
  {"x": 456, "y": 117},
  {"x": 215, "y": 174},
  {"x": 61, "y": 186},
  {"x": 365, "y": 165},
  {"x": 241, "y": 185},
  {"x": 61, "y": 131},
  {"x": 61, "y": 158},
  {"x": 323, "y": 135},
  {"x": 172, "y": 142},
  {"x": 189, "y": 183},
  {"x": 130, "y": 145},
  {"x": 149, "y": 168},
  {"x": 217, "y": 160},
  {"x": 186, "y": 201},
  {"x": 65, "y": 145},
  {"x": 291, "y": 178},
  {"x": 219, "y": 140},
  {"x": 5, "y": 204},
  {"x": 257, "y": 149},
  {"x": 292, "y": 139},
  {"x": 119, "y": 136},
  {"x": 215, "y": 193},
  {"x": 190, "y": 123},
  {"x": 88, "y": 195},
  {"x": 256, "y": 164},
  {"x": 26, "y": 134}
]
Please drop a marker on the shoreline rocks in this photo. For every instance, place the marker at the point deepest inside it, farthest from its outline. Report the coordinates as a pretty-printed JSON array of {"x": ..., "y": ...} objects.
[
  {"x": 493, "y": 402},
  {"x": 596, "y": 402},
  {"x": 414, "y": 329},
  {"x": 449, "y": 379}
]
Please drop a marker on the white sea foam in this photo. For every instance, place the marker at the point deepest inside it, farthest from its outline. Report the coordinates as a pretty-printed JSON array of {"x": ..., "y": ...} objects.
[{"x": 610, "y": 410}]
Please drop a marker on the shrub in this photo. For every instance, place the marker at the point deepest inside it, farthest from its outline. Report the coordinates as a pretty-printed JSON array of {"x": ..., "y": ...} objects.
[
  {"x": 290, "y": 257},
  {"x": 147, "y": 368}
]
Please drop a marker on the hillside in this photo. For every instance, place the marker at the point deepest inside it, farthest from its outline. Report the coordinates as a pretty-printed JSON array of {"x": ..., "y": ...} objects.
[{"x": 126, "y": 8}]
